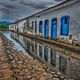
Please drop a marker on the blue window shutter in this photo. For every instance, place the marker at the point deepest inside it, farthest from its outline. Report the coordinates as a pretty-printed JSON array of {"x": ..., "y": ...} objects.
[{"x": 65, "y": 25}]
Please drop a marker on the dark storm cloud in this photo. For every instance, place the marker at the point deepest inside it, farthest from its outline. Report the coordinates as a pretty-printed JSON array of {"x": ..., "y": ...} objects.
[
  {"x": 57, "y": 0},
  {"x": 13, "y": 0},
  {"x": 10, "y": 6},
  {"x": 35, "y": 4},
  {"x": 14, "y": 9},
  {"x": 40, "y": 7}
]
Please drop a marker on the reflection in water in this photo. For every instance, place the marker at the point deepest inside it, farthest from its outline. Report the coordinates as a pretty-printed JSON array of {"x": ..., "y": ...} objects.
[
  {"x": 35, "y": 48},
  {"x": 40, "y": 51},
  {"x": 67, "y": 65},
  {"x": 53, "y": 57},
  {"x": 62, "y": 64},
  {"x": 46, "y": 53},
  {"x": 17, "y": 45},
  {"x": 58, "y": 60}
]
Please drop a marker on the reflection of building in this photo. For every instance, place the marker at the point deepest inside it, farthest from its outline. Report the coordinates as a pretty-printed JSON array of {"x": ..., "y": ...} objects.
[
  {"x": 54, "y": 58},
  {"x": 50, "y": 56},
  {"x": 59, "y": 21},
  {"x": 63, "y": 64}
]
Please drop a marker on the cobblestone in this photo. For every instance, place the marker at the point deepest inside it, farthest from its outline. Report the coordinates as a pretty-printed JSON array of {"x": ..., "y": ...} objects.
[
  {"x": 21, "y": 66},
  {"x": 5, "y": 68}
]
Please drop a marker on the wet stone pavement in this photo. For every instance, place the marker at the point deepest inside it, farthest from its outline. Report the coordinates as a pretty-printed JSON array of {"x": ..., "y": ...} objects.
[
  {"x": 14, "y": 65},
  {"x": 6, "y": 72}
]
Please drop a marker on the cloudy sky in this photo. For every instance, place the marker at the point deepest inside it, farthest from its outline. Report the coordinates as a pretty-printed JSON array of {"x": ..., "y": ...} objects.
[{"x": 11, "y": 10}]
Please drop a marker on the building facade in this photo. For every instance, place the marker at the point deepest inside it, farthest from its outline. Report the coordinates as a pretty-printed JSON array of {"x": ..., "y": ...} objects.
[{"x": 61, "y": 21}]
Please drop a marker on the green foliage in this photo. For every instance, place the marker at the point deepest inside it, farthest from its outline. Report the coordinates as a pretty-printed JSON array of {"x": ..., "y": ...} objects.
[{"x": 4, "y": 27}]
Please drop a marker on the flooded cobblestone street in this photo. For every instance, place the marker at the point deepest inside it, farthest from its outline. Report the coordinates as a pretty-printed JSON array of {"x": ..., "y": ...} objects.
[
  {"x": 51, "y": 65},
  {"x": 25, "y": 67},
  {"x": 39, "y": 39}
]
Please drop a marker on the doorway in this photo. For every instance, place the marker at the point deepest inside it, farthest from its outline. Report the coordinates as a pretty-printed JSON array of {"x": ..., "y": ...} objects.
[{"x": 54, "y": 28}]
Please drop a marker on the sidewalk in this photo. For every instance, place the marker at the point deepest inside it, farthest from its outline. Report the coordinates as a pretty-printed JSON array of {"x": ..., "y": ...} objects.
[{"x": 5, "y": 68}]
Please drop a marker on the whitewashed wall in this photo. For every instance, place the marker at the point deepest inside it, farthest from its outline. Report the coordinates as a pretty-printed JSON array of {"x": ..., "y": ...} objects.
[
  {"x": 72, "y": 10},
  {"x": 21, "y": 25}
]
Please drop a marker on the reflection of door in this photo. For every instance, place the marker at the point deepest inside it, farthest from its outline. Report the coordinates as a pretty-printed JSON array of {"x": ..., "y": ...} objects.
[
  {"x": 40, "y": 50},
  {"x": 65, "y": 25},
  {"x": 62, "y": 64},
  {"x": 54, "y": 28},
  {"x": 46, "y": 53},
  {"x": 25, "y": 42},
  {"x": 35, "y": 48},
  {"x": 46, "y": 28},
  {"x": 28, "y": 46},
  {"x": 32, "y": 46},
  {"x": 53, "y": 57},
  {"x": 40, "y": 27}
]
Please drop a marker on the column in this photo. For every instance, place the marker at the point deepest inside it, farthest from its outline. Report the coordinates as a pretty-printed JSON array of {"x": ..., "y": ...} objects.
[
  {"x": 58, "y": 27},
  {"x": 43, "y": 29},
  {"x": 38, "y": 49},
  {"x": 57, "y": 60},
  {"x": 43, "y": 52},
  {"x": 38, "y": 27},
  {"x": 49, "y": 28},
  {"x": 68, "y": 67},
  {"x": 34, "y": 27}
]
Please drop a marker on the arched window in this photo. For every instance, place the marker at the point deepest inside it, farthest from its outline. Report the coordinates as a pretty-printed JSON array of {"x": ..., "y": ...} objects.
[
  {"x": 46, "y": 28},
  {"x": 40, "y": 27},
  {"x": 36, "y": 27},
  {"x": 32, "y": 25},
  {"x": 54, "y": 28},
  {"x": 65, "y": 25}
]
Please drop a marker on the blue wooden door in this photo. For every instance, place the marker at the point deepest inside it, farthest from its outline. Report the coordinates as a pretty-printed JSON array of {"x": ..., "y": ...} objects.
[
  {"x": 36, "y": 27},
  {"x": 46, "y": 28},
  {"x": 65, "y": 26},
  {"x": 54, "y": 28},
  {"x": 40, "y": 27}
]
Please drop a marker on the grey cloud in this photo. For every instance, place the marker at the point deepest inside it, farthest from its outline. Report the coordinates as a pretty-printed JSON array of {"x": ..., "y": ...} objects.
[
  {"x": 13, "y": 0},
  {"x": 58, "y": 0},
  {"x": 40, "y": 7},
  {"x": 14, "y": 9},
  {"x": 36, "y": 6}
]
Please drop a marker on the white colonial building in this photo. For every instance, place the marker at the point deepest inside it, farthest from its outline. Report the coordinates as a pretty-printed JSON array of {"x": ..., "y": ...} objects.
[{"x": 61, "y": 21}]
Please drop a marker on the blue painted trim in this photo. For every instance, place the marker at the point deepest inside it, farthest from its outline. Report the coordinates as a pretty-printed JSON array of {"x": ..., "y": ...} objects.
[
  {"x": 40, "y": 26},
  {"x": 46, "y": 28},
  {"x": 35, "y": 26},
  {"x": 54, "y": 28},
  {"x": 65, "y": 27}
]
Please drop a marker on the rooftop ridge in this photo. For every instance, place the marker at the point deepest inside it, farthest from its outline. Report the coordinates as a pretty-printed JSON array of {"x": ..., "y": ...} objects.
[{"x": 42, "y": 11}]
